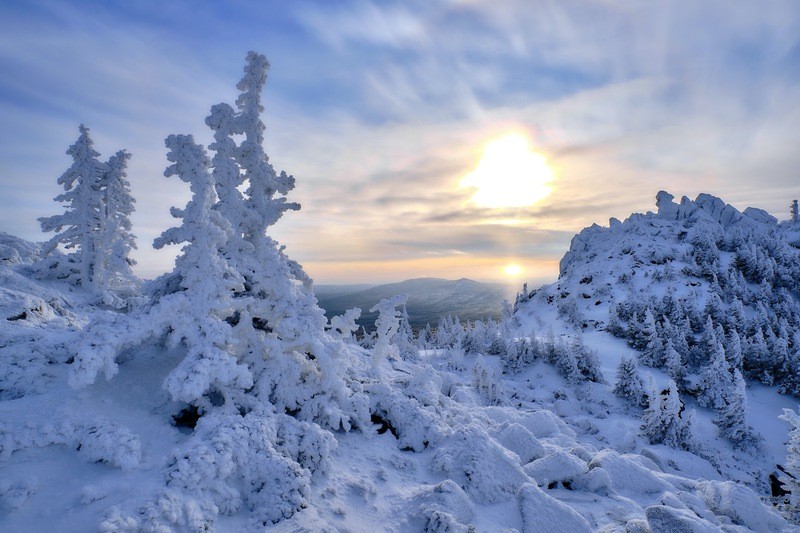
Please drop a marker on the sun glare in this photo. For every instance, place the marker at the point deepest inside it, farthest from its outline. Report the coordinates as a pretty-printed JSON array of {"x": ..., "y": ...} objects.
[
  {"x": 512, "y": 270},
  {"x": 509, "y": 174}
]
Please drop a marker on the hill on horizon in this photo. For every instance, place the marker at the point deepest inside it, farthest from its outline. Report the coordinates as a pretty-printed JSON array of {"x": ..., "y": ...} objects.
[{"x": 428, "y": 299}]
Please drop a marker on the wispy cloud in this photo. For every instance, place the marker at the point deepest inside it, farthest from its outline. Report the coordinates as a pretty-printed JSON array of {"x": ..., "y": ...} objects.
[{"x": 380, "y": 108}]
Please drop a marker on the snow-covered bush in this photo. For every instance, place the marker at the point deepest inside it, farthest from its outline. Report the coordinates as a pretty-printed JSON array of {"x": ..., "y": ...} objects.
[
  {"x": 486, "y": 382},
  {"x": 480, "y": 465},
  {"x": 345, "y": 325},
  {"x": 234, "y": 461}
]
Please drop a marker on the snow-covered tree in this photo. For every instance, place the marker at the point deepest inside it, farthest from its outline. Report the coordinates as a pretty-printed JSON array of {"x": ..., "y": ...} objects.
[
  {"x": 715, "y": 379},
  {"x": 345, "y": 324},
  {"x": 95, "y": 226},
  {"x": 78, "y": 227},
  {"x": 265, "y": 195},
  {"x": 519, "y": 354},
  {"x": 732, "y": 418},
  {"x": 425, "y": 338},
  {"x": 207, "y": 280},
  {"x": 733, "y": 349},
  {"x": 565, "y": 359},
  {"x": 629, "y": 385},
  {"x": 251, "y": 336},
  {"x": 664, "y": 420},
  {"x": 588, "y": 362},
  {"x": 387, "y": 324},
  {"x": 404, "y": 337},
  {"x": 646, "y": 339},
  {"x": 115, "y": 240},
  {"x": 486, "y": 382},
  {"x": 794, "y": 213},
  {"x": 614, "y": 323},
  {"x": 675, "y": 366}
]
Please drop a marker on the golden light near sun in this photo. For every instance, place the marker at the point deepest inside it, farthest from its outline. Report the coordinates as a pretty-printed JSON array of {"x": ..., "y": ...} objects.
[
  {"x": 513, "y": 270},
  {"x": 509, "y": 174}
]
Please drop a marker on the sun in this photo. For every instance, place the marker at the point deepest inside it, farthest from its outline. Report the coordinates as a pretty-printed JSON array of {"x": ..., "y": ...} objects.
[
  {"x": 513, "y": 270},
  {"x": 509, "y": 174}
]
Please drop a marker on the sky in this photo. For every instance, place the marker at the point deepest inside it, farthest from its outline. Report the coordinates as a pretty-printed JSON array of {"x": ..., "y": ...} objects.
[{"x": 383, "y": 109}]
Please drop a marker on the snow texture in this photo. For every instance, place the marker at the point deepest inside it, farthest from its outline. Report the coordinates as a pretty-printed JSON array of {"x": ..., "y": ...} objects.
[{"x": 230, "y": 403}]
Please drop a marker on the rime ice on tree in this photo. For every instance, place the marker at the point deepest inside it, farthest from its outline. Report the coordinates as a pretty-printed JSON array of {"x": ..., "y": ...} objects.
[{"x": 95, "y": 224}]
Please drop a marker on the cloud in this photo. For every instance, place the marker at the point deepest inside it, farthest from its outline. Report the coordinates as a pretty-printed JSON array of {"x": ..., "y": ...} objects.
[
  {"x": 364, "y": 22},
  {"x": 379, "y": 109}
]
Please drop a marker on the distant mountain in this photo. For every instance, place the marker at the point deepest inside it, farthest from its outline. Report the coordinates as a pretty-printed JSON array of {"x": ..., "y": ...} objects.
[{"x": 428, "y": 299}]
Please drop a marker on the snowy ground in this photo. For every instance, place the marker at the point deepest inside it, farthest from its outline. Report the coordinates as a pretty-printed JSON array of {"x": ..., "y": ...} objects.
[{"x": 499, "y": 451}]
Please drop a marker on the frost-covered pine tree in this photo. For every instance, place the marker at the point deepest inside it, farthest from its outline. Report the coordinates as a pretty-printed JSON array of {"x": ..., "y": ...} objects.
[
  {"x": 96, "y": 225},
  {"x": 715, "y": 379},
  {"x": 197, "y": 314},
  {"x": 663, "y": 421},
  {"x": 519, "y": 354},
  {"x": 588, "y": 361},
  {"x": 78, "y": 227},
  {"x": 565, "y": 359},
  {"x": 791, "y": 369},
  {"x": 288, "y": 335},
  {"x": 257, "y": 363},
  {"x": 425, "y": 338},
  {"x": 674, "y": 365},
  {"x": 404, "y": 338},
  {"x": 629, "y": 385},
  {"x": 733, "y": 349},
  {"x": 265, "y": 195},
  {"x": 732, "y": 418},
  {"x": 486, "y": 382},
  {"x": 116, "y": 240},
  {"x": 645, "y": 338},
  {"x": 614, "y": 323}
]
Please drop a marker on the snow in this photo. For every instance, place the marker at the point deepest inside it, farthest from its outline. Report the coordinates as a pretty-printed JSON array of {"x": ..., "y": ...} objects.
[{"x": 220, "y": 398}]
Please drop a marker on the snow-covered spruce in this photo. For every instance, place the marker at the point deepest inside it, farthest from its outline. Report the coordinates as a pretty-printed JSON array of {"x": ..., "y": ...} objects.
[
  {"x": 95, "y": 226},
  {"x": 254, "y": 339}
]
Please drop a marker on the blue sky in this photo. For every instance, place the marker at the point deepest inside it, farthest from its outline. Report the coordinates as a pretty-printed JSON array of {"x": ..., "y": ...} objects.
[{"x": 380, "y": 108}]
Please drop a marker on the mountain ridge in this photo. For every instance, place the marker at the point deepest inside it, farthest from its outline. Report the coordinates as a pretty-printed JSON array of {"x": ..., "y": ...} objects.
[{"x": 428, "y": 299}]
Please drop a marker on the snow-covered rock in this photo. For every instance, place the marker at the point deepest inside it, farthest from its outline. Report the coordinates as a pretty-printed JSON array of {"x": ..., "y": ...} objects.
[
  {"x": 627, "y": 474},
  {"x": 559, "y": 466},
  {"x": 664, "y": 519},
  {"x": 542, "y": 513},
  {"x": 741, "y": 505}
]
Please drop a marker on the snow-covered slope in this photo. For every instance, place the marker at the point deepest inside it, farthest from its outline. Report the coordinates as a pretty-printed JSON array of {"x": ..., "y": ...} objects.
[
  {"x": 456, "y": 443},
  {"x": 695, "y": 279},
  {"x": 221, "y": 399}
]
